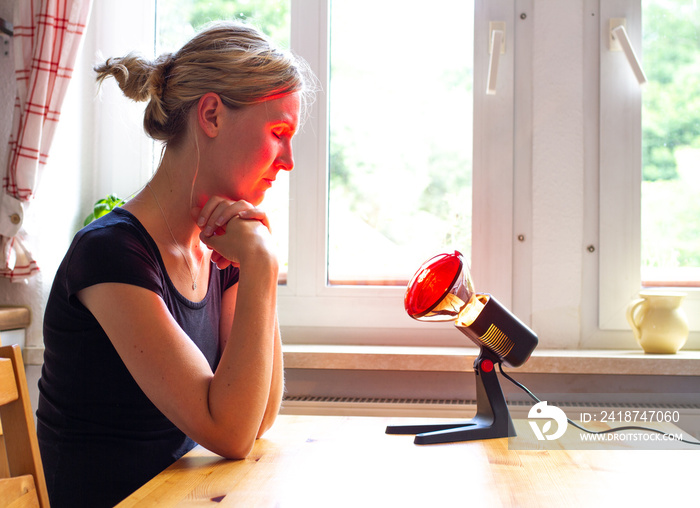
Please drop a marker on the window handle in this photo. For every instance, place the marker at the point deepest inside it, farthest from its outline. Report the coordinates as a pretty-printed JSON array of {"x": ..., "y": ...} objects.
[
  {"x": 497, "y": 37},
  {"x": 619, "y": 34}
]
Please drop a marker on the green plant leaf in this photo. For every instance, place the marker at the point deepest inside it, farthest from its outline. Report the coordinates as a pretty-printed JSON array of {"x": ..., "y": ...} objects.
[{"x": 102, "y": 207}]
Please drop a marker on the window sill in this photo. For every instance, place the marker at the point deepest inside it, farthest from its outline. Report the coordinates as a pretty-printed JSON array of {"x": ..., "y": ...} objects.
[
  {"x": 14, "y": 318},
  {"x": 461, "y": 359},
  {"x": 458, "y": 359}
]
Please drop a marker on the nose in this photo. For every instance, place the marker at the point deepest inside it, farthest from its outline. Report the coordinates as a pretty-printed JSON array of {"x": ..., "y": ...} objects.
[{"x": 285, "y": 159}]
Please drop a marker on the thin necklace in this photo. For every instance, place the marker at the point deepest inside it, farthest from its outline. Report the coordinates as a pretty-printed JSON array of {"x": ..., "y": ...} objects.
[{"x": 177, "y": 245}]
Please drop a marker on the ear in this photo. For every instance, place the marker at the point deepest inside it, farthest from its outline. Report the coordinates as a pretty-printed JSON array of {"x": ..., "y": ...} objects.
[{"x": 209, "y": 109}]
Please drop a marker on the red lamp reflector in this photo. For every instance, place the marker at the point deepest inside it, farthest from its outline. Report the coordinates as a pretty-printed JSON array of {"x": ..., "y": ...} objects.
[{"x": 431, "y": 283}]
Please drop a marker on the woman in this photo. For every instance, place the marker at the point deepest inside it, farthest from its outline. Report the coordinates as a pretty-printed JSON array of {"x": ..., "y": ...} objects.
[{"x": 150, "y": 347}]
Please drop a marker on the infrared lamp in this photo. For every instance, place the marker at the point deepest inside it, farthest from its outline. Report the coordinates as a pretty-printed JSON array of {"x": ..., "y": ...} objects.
[{"x": 442, "y": 290}]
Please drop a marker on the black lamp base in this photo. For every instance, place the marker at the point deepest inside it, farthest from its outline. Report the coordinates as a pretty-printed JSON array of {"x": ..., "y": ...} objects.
[{"x": 492, "y": 418}]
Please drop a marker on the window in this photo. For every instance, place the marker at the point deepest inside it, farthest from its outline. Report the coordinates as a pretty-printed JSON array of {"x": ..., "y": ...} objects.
[
  {"x": 671, "y": 143},
  {"x": 647, "y": 138},
  {"x": 399, "y": 129},
  {"x": 400, "y": 136},
  {"x": 555, "y": 158},
  {"x": 352, "y": 228}
]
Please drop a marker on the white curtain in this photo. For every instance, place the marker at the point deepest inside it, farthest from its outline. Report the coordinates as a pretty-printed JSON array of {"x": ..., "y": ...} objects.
[{"x": 47, "y": 34}]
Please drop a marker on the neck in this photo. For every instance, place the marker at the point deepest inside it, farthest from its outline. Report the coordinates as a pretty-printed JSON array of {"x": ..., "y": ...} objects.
[
  {"x": 170, "y": 191},
  {"x": 164, "y": 208}
]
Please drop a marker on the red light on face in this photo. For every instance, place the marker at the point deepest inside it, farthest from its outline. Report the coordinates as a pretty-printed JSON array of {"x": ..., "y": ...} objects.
[{"x": 431, "y": 283}]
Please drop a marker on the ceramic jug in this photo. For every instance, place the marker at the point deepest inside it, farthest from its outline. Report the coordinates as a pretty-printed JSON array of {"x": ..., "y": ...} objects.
[{"x": 658, "y": 321}]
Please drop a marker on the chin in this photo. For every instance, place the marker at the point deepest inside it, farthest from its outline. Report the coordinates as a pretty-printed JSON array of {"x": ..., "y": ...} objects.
[
  {"x": 253, "y": 198},
  {"x": 255, "y": 201},
  {"x": 258, "y": 197}
]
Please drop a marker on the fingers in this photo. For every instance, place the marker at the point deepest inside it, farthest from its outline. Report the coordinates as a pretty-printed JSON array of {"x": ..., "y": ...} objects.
[
  {"x": 243, "y": 240},
  {"x": 220, "y": 261},
  {"x": 217, "y": 212},
  {"x": 229, "y": 228},
  {"x": 256, "y": 214}
]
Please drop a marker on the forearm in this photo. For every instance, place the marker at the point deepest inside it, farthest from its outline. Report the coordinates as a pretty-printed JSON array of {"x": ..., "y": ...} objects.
[
  {"x": 245, "y": 392},
  {"x": 276, "y": 386},
  {"x": 241, "y": 387}
]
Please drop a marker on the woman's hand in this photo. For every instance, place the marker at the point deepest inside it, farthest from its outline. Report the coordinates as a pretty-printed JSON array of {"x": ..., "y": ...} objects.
[{"x": 232, "y": 229}]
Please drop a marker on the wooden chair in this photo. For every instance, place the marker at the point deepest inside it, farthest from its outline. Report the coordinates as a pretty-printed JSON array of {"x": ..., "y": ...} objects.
[{"x": 22, "y": 482}]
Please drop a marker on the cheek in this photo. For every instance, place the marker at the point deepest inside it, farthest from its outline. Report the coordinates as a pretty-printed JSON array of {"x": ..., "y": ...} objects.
[
  {"x": 267, "y": 151},
  {"x": 256, "y": 152}
]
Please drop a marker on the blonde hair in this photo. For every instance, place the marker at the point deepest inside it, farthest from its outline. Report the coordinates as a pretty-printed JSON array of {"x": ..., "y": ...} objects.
[{"x": 233, "y": 60}]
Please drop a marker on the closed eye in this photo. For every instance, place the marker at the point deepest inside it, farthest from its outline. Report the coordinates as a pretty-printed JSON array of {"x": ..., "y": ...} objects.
[{"x": 283, "y": 131}]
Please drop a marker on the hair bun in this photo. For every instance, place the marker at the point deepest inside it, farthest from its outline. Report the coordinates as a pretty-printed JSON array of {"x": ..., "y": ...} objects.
[
  {"x": 161, "y": 72},
  {"x": 131, "y": 73},
  {"x": 156, "y": 87}
]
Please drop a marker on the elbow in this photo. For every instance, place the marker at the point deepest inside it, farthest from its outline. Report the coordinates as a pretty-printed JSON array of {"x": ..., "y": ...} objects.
[
  {"x": 238, "y": 448},
  {"x": 237, "y": 445},
  {"x": 234, "y": 447},
  {"x": 236, "y": 451}
]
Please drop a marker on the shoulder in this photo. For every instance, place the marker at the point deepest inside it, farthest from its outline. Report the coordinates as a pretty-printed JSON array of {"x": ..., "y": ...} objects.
[
  {"x": 117, "y": 228},
  {"x": 114, "y": 248}
]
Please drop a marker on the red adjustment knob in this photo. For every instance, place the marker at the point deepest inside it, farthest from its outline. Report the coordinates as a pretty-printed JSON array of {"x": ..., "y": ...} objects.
[{"x": 486, "y": 365}]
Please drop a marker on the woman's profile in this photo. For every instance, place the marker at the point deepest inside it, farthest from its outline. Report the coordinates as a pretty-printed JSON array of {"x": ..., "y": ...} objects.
[{"x": 161, "y": 327}]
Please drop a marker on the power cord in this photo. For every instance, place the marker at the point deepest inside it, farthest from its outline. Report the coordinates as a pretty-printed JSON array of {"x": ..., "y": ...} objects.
[{"x": 571, "y": 422}]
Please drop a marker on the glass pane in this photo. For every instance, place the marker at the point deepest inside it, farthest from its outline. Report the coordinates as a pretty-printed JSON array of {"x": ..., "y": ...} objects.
[
  {"x": 671, "y": 143},
  {"x": 400, "y": 136},
  {"x": 178, "y": 20}
]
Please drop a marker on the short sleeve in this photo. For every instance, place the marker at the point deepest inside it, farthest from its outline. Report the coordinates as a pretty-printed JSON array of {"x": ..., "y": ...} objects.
[
  {"x": 229, "y": 277},
  {"x": 112, "y": 253}
]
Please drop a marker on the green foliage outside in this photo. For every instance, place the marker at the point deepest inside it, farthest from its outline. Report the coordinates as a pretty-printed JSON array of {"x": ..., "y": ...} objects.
[
  {"x": 270, "y": 16},
  {"x": 672, "y": 96},
  {"x": 671, "y": 134},
  {"x": 401, "y": 131}
]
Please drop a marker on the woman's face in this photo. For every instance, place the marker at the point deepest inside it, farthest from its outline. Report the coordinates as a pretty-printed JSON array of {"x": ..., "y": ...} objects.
[{"x": 255, "y": 143}]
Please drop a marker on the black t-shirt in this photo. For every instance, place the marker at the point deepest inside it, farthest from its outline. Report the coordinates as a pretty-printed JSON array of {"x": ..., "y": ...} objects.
[{"x": 100, "y": 436}]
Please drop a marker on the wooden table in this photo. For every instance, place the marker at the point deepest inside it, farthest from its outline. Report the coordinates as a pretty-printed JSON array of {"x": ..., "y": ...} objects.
[{"x": 335, "y": 461}]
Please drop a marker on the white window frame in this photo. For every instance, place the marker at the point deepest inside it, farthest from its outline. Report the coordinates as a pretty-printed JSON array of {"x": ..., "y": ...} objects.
[
  {"x": 620, "y": 181},
  {"x": 313, "y": 312}
]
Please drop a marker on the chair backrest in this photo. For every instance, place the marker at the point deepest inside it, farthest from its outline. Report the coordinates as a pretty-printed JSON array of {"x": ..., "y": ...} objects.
[{"x": 21, "y": 448}]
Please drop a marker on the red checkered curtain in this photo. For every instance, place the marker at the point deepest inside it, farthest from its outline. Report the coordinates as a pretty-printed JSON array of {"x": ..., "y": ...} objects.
[{"x": 46, "y": 38}]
